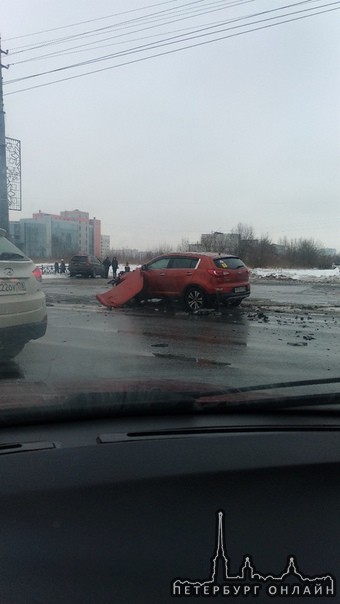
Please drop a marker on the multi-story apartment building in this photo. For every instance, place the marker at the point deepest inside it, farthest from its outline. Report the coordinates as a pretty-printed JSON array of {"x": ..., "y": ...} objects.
[
  {"x": 105, "y": 246},
  {"x": 57, "y": 236}
]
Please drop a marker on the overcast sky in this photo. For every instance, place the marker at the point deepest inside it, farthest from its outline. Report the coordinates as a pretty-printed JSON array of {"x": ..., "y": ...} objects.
[{"x": 245, "y": 129}]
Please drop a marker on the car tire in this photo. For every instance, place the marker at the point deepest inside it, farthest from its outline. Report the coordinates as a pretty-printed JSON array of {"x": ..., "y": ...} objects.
[
  {"x": 194, "y": 299},
  {"x": 135, "y": 301},
  {"x": 10, "y": 351}
]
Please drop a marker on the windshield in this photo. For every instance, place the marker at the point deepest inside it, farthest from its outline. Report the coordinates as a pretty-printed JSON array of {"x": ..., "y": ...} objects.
[
  {"x": 172, "y": 172},
  {"x": 8, "y": 251}
]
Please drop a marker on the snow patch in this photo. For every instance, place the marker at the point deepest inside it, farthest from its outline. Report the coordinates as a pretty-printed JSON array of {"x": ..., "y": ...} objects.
[{"x": 294, "y": 274}]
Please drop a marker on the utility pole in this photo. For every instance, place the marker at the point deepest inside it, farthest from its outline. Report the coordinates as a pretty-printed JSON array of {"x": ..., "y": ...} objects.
[{"x": 4, "y": 216}]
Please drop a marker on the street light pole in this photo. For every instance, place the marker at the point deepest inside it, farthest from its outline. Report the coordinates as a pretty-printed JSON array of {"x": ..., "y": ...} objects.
[{"x": 4, "y": 216}]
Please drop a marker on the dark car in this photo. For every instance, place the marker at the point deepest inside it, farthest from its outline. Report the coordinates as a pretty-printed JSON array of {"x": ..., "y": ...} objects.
[
  {"x": 85, "y": 265},
  {"x": 200, "y": 278}
]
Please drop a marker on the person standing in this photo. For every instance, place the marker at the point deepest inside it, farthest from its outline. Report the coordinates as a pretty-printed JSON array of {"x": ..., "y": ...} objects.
[
  {"x": 127, "y": 267},
  {"x": 114, "y": 265},
  {"x": 107, "y": 264},
  {"x": 62, "y": 267},
  {"x": 56, "y": 268}
]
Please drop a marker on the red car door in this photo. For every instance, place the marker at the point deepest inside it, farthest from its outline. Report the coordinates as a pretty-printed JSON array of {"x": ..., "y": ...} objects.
[
  {"x": 155, "y": 276},
  {"x": 180, "y": 274}
]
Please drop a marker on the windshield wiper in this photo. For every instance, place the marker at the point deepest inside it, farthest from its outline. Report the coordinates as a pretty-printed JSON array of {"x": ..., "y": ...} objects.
[
  {"x": 275, "y": 385},
  {"x": 263, "y": 397},
  {"x": 148, "y": 400}
]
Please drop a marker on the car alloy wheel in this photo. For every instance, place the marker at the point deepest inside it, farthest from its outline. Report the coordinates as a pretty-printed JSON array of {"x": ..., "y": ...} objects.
[{"x": 194, "y": 299}]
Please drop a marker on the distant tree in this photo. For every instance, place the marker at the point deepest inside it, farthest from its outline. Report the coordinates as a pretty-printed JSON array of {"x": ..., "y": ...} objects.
[
  {"x": 183, "y": 246},
  {"x": 244, "y": 246},
  {"x": 263, "y": 253},
  {"x": 308, "y": 253},
  {"x": 302, "y": 253},
  {"x": 162, "y": 248}
]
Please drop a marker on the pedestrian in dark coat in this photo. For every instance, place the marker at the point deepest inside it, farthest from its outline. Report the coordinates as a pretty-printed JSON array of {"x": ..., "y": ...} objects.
[
  {"x": 107, "y": 264},
  {"x": 114, "y": 265}
]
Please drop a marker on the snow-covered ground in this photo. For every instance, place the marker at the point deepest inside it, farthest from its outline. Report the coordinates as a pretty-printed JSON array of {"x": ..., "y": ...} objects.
[
  {"x": 302, "y": 274},
  {"x": 283, "y": 274}
]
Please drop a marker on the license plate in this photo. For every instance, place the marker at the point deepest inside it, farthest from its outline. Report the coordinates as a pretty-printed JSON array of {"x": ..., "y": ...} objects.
[
  {"x": 238, "y": 290},
  {"x": 9, "y": 287}
]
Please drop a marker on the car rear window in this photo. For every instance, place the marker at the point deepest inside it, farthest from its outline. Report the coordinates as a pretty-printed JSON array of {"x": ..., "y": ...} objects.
[
  {"x": 80, "y": 259},
  {"x": 229, "y": 262},
  {"x": 8, "y": 251}
]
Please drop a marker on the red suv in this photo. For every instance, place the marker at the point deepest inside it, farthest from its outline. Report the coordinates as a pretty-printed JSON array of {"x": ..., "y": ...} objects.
[{"x": 199, "y": 278}]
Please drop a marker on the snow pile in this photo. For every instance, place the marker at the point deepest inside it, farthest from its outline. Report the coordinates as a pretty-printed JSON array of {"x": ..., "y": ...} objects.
[{"x": 295, "y": 274}]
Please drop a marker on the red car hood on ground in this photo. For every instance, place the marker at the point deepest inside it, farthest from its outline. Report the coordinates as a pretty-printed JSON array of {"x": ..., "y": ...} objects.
[{"x": 131, "y": 284}]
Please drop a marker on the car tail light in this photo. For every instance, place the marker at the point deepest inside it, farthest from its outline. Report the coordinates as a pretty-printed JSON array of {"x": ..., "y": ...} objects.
[
  {"x": 218, "y": 273},
  {"x": 37, "y": 273}
]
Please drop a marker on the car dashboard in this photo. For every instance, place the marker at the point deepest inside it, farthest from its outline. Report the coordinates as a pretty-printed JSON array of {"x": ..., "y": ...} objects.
[{"x": 150, "y": 509}]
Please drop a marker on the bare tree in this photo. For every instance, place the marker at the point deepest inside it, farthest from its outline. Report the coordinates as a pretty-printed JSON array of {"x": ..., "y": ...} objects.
[
  {"x": 263, "y": 253},
  {"x": 246, "y": 242},
  {"x": 301, "y": 253},
  {"x": 183, "y": 246}
]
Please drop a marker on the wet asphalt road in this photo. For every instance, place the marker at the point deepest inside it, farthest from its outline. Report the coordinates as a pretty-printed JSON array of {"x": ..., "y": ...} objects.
[{"x": 283, "y": 332}]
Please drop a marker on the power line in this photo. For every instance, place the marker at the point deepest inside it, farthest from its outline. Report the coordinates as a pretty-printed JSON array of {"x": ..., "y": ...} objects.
[
  {"x": 219, "y": 23},
  {"x": 129, "y": 23},
  {"x": 216, "y": 24},
  {"x": 174, "y": 50},
  {"x": 170, "y": 41},
  {"x": 46, "y": 31},
  {"x": 82, "y": 48}
]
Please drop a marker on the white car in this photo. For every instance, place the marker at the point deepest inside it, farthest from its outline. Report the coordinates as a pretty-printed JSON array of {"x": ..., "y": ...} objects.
[{"x": 23, "y": 315}]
